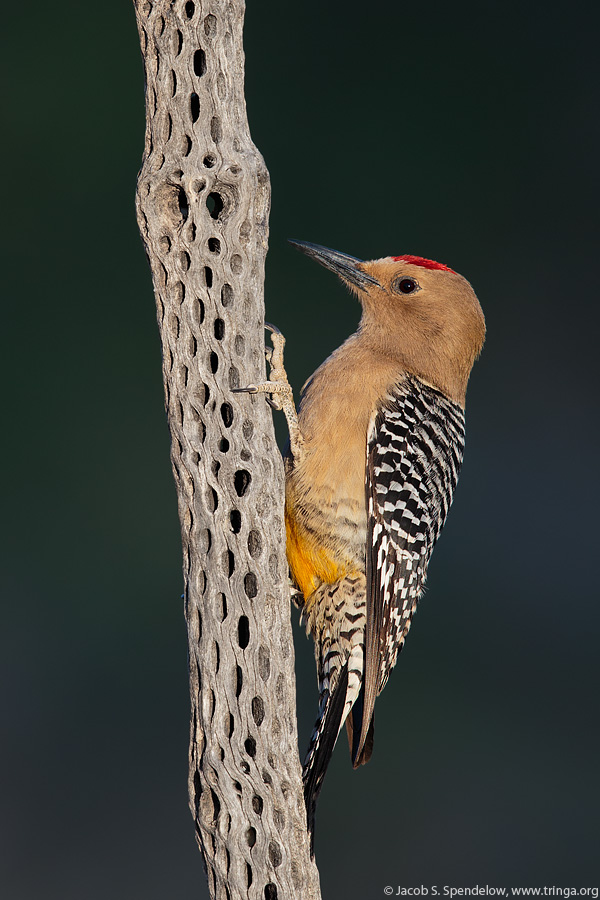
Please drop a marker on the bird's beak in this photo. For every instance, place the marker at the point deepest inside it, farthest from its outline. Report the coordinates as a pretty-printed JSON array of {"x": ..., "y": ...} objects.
[{"x": 343, "y": 265}]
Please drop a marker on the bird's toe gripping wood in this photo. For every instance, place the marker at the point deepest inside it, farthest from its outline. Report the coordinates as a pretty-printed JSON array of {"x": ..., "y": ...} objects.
[{"x": 278, "y": 387}]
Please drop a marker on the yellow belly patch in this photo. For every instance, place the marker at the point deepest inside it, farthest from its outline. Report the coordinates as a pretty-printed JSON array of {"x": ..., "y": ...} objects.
[{"x": 309, "y": 561}]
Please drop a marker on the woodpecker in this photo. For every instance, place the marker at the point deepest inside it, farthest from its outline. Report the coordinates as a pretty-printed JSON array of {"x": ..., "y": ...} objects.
[{"x": 373, "y": 460}]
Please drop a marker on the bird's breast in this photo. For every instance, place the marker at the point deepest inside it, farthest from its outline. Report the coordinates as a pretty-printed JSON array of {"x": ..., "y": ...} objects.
[
  {"x": 326, "y": 512},
  {"x": 325, "y": 502}
]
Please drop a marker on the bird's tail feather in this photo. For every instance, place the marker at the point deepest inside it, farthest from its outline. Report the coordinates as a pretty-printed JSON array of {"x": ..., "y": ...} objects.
[
  {"x": 321, "y": 746},
  {"x": 354, "y": 730}
]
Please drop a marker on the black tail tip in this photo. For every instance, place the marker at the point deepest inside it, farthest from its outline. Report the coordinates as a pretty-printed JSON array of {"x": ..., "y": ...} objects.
[{"x": 328, "y": 727}]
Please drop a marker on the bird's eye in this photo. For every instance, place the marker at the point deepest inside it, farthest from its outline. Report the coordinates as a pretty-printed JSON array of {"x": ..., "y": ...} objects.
[{"x": 406, "y": 285}]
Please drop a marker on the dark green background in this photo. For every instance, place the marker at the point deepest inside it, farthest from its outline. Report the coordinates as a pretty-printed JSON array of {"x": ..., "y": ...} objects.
[{"x": 465, "y": 132}]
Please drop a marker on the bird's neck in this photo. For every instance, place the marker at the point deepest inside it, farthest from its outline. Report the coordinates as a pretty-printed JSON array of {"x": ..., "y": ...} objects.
[{"x": 417, "y": 349}]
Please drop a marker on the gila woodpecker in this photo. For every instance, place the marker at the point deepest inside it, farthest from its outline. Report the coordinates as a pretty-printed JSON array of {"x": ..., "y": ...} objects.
[{"x": 373, "y": 460}]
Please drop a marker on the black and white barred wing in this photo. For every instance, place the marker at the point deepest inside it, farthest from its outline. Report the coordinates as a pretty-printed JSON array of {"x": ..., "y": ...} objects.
[{"x": 414, "y": 454}]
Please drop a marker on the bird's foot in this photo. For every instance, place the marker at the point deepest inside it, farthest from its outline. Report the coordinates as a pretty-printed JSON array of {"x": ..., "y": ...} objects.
[
  {"x": 279, "y": 390},
  {"x": 277, "y": 385}
]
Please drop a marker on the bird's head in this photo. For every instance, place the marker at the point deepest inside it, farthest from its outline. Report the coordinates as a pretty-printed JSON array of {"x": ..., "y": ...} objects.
[{"x": 415, "y": 309}]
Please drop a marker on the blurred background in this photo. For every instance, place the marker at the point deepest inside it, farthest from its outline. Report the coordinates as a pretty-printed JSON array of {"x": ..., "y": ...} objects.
[{"x": 464, "y": 132}]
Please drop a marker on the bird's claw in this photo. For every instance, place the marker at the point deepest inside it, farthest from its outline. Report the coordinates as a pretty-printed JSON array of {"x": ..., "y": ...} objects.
[
  {"x": 278, "y": 391},
  {"x": 278, "y": 382}
]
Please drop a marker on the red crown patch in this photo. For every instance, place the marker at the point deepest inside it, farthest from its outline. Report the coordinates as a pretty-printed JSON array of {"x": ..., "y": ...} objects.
[{"x": 424, "y": 263}]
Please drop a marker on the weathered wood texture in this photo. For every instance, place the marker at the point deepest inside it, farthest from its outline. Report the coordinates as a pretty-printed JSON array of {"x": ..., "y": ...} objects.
[{"x": 202, "y": 203}]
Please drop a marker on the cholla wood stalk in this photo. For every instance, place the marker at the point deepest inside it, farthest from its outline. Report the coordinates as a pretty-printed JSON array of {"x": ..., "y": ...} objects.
[{"x": 202, "y": 204}]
